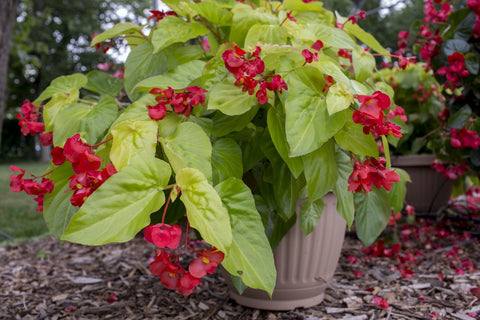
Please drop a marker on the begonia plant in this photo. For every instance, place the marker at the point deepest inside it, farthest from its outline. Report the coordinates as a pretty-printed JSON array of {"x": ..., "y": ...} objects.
[
  {"x": 227, "y": 114},
  {"x": 443, "y": 97}
]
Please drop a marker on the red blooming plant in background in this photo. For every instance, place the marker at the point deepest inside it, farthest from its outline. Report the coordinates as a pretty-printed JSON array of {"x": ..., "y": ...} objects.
[
  {"x": 441, "y": 95},
  {"x": 205, "y": 100}
]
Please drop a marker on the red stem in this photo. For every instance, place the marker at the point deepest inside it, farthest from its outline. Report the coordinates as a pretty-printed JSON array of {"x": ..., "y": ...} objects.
[
  {"x": 100, "y": 143},
  {"x": 166, "y": 206}
]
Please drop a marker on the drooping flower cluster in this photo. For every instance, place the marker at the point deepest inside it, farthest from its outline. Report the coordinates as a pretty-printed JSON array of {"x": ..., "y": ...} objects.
[
  {"x": 85, "y": 164},
  {"x": 167, "y": 265},
  {"x": 451, "y": 170},
  {"x": 160, "y": 14},
  {"x": 29, "y": 119},
  {"x": 455, "y": 71},
  {"x": 464, "y": 138},
  {"x": 310, "y": 56},
  {"x": 370, "y": 115},
  {"x": 246, "y": 67},
  {"x": 434, "y": 15},
  {"x": 371, "y": 172},
  {"x": 180, "y": 101},
  {"x": 30, "y": 186}
]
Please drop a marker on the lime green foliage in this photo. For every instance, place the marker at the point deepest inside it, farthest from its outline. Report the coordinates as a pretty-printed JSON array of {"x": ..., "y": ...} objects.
[
  {"x": 18, "y": 212},
  {"x": 293, "y": 142}
]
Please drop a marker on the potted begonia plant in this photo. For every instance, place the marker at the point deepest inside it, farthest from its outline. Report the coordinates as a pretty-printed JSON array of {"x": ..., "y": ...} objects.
[
  {"x": 237, "y": 119},
  {"x": 440, "y": 95}
]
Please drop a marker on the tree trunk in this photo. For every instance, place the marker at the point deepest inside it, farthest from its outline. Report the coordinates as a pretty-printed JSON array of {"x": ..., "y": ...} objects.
[{"x": 8, "y": 10}]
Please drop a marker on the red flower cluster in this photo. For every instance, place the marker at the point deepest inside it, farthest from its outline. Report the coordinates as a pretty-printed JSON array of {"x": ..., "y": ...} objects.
[
  {"x": 379, "y": 301},
  {"x": 181, "y": 101},
  {"x": 451, "y": 171},
  {"x": 246, "y": 67},
  {"x": 107, "y": 45},
  {"x": 432, "y": 15},
  {"x": 354, "y": 19},
  {"x": 464, "y": 138},
  {"x": 371, "y": 171},
  {"x": 85, "y": 165},
  {"x": 310, "y": 56},
  {"x": 29, "y": 117},
  {"x": 423, "y": 93},
  {"x": 403, "y": 39},
  {"x": 30, "y": 186},
  {"x": 167, "y": 266},
  {"x": 455, "y": 71},
  {"x": 397, "y": 112},
  {"x": 344, "y": 54},
  {"x": 160, "y": 14},
  {"x": 370, "y": 115}
]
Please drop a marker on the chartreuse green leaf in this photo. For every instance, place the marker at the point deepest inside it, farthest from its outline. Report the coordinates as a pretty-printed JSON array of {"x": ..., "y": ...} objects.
[
  {"x": 308, "y": 124},
  {"x": 89, "y": 120},
  {"x": 189, "y": 147},
  {"x": 58, "y": 102},
  {"x": 205, "y": 211},
  {"x": 372, "y": 214},
  {"x": 214, "y": 12},
  {"x": 250, "y": 256},
  {"x": 137, "y": 111},
  {"x": 338, "y": 98},
  {"x": 330, "y": 36},
  {"x": 178, "y": 78},
  {"x": 299, "y": 5},
  {"x": 262, "y": 33},
  {"x": 119, "y": 29},
  {"x": 330, "y": 67},
  {"x": 320, "y": 170},
  {"x": 57, "y": 209},
  {"x": 182, "y": 8},
  {"x": 399, "y": 190},
  {"x": 214, "y": 71},
  {"x": 64, "y": 85},
  {"x": 244, "y": 18},
  {"x": 226, "y": 160},
  {"x": 131, "y": 138},
  {"x": 363, "y": 63},
  {"x": 345, "y": 201},
  {"x": 276, "y": 127},
  {"x": 310, "y": 212},
  {"x": 223, "y": 124},
  {"x": 230, "y": 99},
  {"x": 103, "y": 83},
  {"x": 173, "y": 29},
  {"x": 352, "y": 138},
  {"x": 122, "y": 205}
]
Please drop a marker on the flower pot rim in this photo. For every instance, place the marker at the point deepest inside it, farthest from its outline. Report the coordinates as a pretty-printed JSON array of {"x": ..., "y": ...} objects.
[{"x": 413, "y": 160}]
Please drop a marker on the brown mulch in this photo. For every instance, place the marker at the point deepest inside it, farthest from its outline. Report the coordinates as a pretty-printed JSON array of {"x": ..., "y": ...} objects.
[{"x": 46, "y": 279}]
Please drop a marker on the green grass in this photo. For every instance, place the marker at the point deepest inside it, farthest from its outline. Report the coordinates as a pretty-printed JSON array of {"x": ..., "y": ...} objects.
[{"x": 19, "y": 218}]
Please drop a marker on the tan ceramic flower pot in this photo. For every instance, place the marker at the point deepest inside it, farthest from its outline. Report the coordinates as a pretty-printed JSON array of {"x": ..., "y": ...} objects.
[
  {"x": 305, "y": 264},
  {"x": 429, "y": 190}
]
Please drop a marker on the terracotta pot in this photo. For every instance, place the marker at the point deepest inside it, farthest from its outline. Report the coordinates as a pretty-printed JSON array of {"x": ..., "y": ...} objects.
[
  {"x": 305, "y": 264},
  {"x": 429, "y": 190}
]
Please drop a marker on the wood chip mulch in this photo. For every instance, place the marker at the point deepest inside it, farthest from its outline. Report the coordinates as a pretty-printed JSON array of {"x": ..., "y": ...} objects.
[{"x": 46, "y": 279}]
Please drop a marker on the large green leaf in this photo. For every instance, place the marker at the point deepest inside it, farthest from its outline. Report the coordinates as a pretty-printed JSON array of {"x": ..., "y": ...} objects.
[
  {"x": 330, "y": 36},
  {"x": 89, "y": 120},
  {"x": 308, "y": 124},
  {"x": 250, "y": 256},
  {"x": 131, "y": 138},
  {"x": 329, "y": 66},
  {"x": 345, "y": 201},
  {"x": 119, "y": 29},
  {"x": 58, "y": 102},
  {"x": 352, "y": 138},
  {"x": 230, "y": 99},
  {"x": 211, "y": 10},
  {"x": 320, "y": 170},
  {"x": 178, "y": 78},
  {"x": 57, "y": 209},
  {"x": 310, "y": 212},
  {"x": 363, "y": 63},
  {"x": 226, "y": 160},
  {"x": 223, "y": 124},
  {"x": 104, "y": 83},
  {"x": 276, "y": 128},
  {"x": 141, "y": 64},
  {"x": 215, "y": 70},
  {"x": 396, "y": 196},
  {"x": 339, "y": 98},
  {"x": 137, "y": 111},
  {"x": 244, "y": 18},
  {"x": 63, "y": 84},
  {"x": 122, "y": 205},
  {"x": 262, "y": 33},
  {"x": 372, "y": 214},
  {"x": 189, "y": 147},
  {"x": 205, "y": 211},
  {"x": 173, "y": 29}
]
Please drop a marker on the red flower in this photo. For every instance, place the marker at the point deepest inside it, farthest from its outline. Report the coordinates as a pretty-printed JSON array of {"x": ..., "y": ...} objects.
[
  {"x": 159, "y": 14},
  {"x": 207, "y": 262},
  {"x": 309, "y": 56},
  {"x": 163, "y": 235},
  {"x": 187, "y": 283},
  {"x": 46, "y": 138},
  {"x": 317, "y": 45},
  {"x": 371, "y": 172},
  {"x": 289, "y": 16},
  {"x": 382, "y": 303},
  {"x": 157, "y": 112}
]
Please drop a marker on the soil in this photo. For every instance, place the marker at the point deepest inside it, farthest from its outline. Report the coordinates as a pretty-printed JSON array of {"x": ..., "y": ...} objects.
[{"x": 47, "y": 279}]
